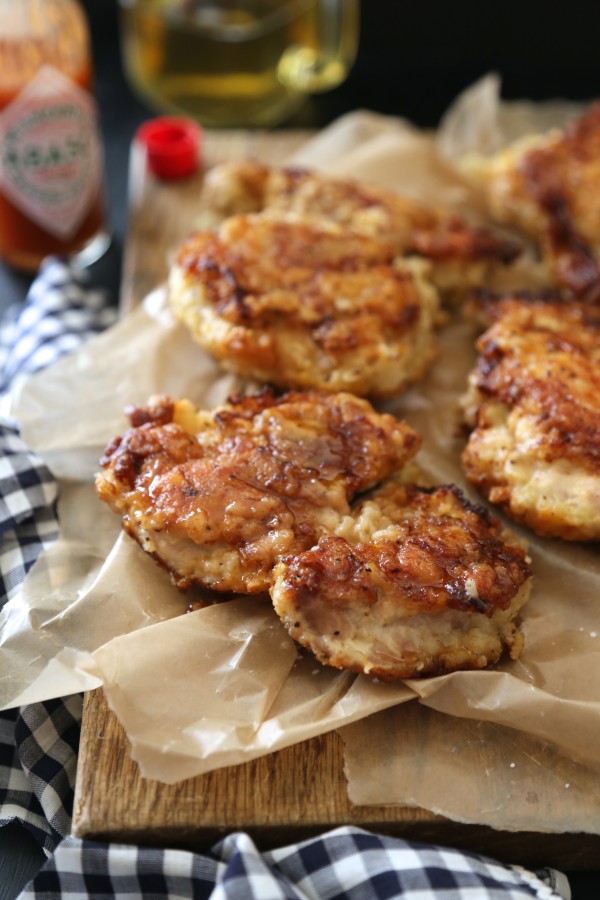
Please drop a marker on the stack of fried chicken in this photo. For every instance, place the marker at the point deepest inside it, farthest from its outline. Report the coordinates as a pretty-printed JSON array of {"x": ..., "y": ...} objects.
[{"x": 331, "y": 294}]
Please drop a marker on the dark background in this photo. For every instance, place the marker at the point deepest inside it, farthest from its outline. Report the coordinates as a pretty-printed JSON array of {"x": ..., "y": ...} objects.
[{"x": 413, "y": 59}]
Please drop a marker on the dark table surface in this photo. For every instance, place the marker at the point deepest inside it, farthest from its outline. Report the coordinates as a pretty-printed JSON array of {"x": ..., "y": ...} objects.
[{"x": 413, "y": 59}]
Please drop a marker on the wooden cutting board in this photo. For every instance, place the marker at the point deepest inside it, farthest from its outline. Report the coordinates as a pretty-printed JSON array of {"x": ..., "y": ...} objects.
[
  {"x": 286, "y": 796},
  {"x": 296, "y": 792}
]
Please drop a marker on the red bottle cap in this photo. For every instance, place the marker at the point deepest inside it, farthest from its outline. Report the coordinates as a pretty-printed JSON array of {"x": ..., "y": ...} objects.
[{"x": 172, "y": 144}]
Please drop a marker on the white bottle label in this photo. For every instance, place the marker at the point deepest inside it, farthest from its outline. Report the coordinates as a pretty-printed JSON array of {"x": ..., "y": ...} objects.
[{"x": 50, "y": 156}]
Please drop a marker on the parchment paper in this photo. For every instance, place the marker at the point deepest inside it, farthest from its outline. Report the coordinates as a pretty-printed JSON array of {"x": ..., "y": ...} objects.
[{"x": 225, "y": 684}]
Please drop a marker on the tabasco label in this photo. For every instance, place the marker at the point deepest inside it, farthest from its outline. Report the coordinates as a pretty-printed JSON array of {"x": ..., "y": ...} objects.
[{"x": 50, "y": 156}]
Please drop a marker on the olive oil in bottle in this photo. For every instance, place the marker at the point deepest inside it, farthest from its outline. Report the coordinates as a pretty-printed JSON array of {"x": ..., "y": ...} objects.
[{"x": 237, "y": 62}]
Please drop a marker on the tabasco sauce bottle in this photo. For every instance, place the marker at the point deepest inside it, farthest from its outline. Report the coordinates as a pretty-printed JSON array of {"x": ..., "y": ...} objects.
[{"x": 51, "y": 169}]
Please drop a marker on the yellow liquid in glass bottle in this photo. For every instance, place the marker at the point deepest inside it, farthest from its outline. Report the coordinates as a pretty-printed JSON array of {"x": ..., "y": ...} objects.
[{"x": 237, "y": 62}]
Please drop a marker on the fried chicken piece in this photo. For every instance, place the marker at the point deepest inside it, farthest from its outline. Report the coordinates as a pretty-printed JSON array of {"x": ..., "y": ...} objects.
[
  {"x": 218, "y": 497},
  {"x": 461, "y": 255},
  {"x": 534, "y": 406},
  {"x": 549, "y": 187},
  {"x": 304, "y": 304},
  {"x": 418, "y": 582}
]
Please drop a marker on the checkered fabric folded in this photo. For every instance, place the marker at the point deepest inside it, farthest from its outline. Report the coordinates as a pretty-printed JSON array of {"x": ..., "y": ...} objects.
[
  {"x": 61, "y": 311},
  {"x": 27, "y": 518},
  {"x": 38, "y": 759},
  {"x": 345, "y": 863},
  {"x": 38, "y": 743}
]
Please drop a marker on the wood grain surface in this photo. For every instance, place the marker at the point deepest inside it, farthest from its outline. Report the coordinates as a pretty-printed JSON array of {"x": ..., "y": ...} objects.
[
  {"x": 296, "y": 792},
  {"x": 286, "y": 796}
]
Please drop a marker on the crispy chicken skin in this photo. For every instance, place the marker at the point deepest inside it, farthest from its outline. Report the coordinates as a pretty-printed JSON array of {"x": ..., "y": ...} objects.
[
  {"x": 548, "y": 186},
  {"x": 217, "y": 498},
  {"x": 534, "y": 406},
  {"x": 461, "y": 255},
  {"x": 418, "y": 582},
  {"x": 305, "y": 304}
]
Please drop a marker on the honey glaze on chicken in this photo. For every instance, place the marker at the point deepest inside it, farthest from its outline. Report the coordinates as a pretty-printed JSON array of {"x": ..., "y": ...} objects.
[
  {"x": 304, "y": 303},
  {"x": 461, "y": 255},
  {"x": 218, "y": 497},
  {"x": 417, "y": 582}
]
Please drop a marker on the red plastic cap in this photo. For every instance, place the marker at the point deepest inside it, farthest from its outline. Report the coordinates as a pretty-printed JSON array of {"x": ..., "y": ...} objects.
[{"x": 173, "y": 146}]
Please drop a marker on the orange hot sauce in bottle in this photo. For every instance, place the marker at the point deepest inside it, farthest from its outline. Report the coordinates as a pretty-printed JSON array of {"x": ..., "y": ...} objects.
[{"x": 51, "y": 181}]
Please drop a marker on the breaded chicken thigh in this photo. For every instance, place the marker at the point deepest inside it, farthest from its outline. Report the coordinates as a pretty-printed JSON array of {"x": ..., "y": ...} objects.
[
  {"x": 217, "y": 498},
  {"x": 549, "y": 186},
  {"x": 304, "y": 304},
  {"x": 417, "y": 582},
  {"x": 534, "y": 407},
  {"x": 461, "y": 255}
]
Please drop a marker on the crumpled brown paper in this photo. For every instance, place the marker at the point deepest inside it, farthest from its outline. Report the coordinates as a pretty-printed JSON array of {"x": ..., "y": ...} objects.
[{"x": 225, "y": 684}]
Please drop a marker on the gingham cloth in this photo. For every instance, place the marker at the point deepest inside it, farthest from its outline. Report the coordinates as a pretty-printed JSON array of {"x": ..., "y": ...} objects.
[{"x": 38, "y": 743}]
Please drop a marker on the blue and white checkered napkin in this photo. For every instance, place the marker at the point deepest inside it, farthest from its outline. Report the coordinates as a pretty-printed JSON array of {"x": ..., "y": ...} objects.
[{"x": 38, "y": 743}]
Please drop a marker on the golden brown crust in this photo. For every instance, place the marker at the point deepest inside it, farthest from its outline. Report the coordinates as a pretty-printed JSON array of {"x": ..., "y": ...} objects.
[
  {"x": 549, "y": 187},
  {"x": 450, "y": 239},
  {"x": 302, "y": 303},
  {"x": 218, "y": 498},
  {"x": 431, "y": 586},
  {"x": 461, "y": 254},
  {"x": 534, "y": 402}
]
